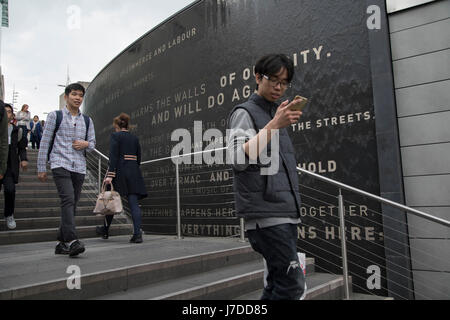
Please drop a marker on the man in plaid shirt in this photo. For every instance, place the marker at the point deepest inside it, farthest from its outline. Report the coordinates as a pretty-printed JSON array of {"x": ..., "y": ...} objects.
[{"x": 68, "y": 163}]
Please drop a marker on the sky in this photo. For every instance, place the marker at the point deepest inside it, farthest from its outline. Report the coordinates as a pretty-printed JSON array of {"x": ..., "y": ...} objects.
[{"x": 47, "y": 38}]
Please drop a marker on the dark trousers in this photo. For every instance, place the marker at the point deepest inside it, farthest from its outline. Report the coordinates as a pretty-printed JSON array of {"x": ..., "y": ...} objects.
[
  {"x": 69, "y": 186},
  {"x": 24, "y": 133},
  {"x": 35, "y": 142},
  {"x": 135, "y": 214},
  {"x": 278, "y": 246},
  {"x": 9, "y": 192}
]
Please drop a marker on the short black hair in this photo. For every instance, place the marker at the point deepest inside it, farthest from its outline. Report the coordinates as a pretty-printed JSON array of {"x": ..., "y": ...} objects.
[
  {"x": 271, "y": 64},
  {"x": 7, "y": 105},
  {"x": 74, "y": 87}
]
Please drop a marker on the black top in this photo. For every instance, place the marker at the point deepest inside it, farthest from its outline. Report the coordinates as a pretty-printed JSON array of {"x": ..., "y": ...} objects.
[
  {"x": 126, "y": 174},
  {"x": 17, "y": 153}
]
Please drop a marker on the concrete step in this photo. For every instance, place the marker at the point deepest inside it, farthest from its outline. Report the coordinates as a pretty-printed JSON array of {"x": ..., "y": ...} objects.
[
  {"x": 222, "y": 283},
  {"x": 32, "y": 177},
  {"x": 114, "y": 267},
  {"x": 218, "y": 284},
  {"x": 24, "y": 213},
  {"x": 320, "y": 286},
  {"x": 161, "y": 268},
  {"x": 49, "y": 234},
  {"x": 362, "y": 296},
  {"x": 40, "y": 194},
  {"x": 50, "y": 202},
  {"x": 32, "y": 172},
  {"x": 48, "y": 185},
  {"x": 54, "y": 222}
]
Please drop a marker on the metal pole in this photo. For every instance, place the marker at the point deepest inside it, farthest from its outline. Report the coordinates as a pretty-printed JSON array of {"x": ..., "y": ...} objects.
[
  {"x": 99, "y": 174},
  {"x": 177, "y": 174},
  {"x": 242, "y": 230},
  {"x": 343, "y": 246}
]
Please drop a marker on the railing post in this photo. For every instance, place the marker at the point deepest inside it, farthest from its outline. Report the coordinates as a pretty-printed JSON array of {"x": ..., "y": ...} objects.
[
  {"x": 343, "y": 245},
  {"x": 242, "y": 230},
  {"x": 177, "y": 176},
  {"x": 99, "y": 174}
]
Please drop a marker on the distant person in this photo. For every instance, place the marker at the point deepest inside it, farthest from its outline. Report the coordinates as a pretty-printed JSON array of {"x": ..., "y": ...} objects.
[
  {"x": 269, "y": 203},
  {"x": 36, "y": 132},
  {"x": 23, "y": 118},
  {"x": 17, "y": 157},
  {"x": 3, "y": 139},
  {"x": 68, "y": 134},
  {"x": 43, "y": 125},
  {"x": 125, "y": 174}
]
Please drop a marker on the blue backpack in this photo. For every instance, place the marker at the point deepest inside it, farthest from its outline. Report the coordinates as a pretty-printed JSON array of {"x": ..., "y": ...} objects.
[{"x": 59, "y": 117}]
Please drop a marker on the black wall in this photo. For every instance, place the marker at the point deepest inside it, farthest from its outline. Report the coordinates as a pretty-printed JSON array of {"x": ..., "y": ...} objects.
[{"x": 198, "y": 65}]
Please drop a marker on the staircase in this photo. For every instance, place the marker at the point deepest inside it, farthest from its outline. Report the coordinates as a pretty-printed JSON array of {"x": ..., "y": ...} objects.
[
  {"x": 162, "y": 268},
  {"x": 38, "y": 211}
]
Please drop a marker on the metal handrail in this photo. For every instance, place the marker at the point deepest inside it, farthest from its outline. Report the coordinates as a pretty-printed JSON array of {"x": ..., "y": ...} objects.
[
  {"x": 378, "y": 198},
  {"x": 101, "y": 154},
  {"x": 340, "y": 185},
  {"x": 325, "y": 179}
]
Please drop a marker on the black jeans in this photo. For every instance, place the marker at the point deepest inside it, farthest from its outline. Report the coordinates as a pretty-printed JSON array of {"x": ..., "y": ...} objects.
[
  {"x": 278, "y": 246},
  {"x": 135, "y": 214},
  {"x": 35, "y": 142},
  {"x": 10, "y": 193},
  {"x": 69, "y": 188}
]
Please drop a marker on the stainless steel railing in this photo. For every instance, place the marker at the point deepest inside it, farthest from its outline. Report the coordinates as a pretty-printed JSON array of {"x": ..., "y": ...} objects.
[
  {"x": 341, "y": 208},
  {"x": 176, "y": 160}
]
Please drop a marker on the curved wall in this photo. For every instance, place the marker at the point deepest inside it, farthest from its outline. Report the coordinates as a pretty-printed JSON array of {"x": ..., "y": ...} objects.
[{"x": 198, "y": 65}]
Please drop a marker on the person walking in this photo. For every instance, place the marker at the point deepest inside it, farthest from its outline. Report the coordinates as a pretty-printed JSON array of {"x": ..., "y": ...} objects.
[
  {"x": 23, "y": 118},
  {"x": 68, "y": 134},
  {"x": 125, "y": 174},
  {"x": 269, "y": 202},
  {"x": 17, "y": 157},
  {"x": 3, "y": 139},
  {"x": 36, "y": 132}
]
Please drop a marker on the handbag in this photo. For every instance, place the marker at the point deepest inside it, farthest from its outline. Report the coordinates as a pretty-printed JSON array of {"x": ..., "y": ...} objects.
[{"x": 108, "y": 202}]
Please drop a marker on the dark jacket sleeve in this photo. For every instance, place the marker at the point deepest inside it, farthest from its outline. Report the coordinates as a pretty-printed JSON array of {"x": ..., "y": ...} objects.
[
  {"x": 22, "y": 149},
  {"x": 3, "y": 140},
  {"x": 113, "y": 156}
]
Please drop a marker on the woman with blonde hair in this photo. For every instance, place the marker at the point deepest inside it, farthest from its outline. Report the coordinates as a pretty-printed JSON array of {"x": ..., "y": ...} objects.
[
  {"x": 23, "y": 118},
  {"x": 125, "y": 174}
]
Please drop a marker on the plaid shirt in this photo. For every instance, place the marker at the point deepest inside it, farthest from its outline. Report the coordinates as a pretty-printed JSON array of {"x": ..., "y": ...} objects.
[{"x": 63, "y": 155}]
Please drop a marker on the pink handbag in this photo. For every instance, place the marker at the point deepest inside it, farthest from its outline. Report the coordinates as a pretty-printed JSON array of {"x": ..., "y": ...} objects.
[{"x": 108, "y": 202}]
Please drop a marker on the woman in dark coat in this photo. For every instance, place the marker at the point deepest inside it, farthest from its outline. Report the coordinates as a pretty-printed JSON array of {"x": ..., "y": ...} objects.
[{"x": 125, "y": 174}]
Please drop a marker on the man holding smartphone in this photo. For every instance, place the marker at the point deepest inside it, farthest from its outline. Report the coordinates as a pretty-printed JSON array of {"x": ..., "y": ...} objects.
[{"x": 269, "y": 203}]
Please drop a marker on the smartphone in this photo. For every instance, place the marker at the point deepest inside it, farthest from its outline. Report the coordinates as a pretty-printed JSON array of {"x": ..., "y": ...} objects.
[{"x": 301, "y": 105}]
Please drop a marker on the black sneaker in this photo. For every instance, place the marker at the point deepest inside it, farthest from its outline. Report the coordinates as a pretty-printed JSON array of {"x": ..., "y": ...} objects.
[
  {"x": 101, "y": 231},
  {"x": 62, "y": 248},
  {"x": 76, "y": 248},
  {"x": 136, "y": 239}
]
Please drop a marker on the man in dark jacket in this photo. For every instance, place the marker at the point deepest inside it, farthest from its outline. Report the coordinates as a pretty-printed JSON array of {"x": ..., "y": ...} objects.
[
  {"x": 17, "y": 156},
  {"x": 35, "y": 132},
  {"x": 269, "y": 200}
]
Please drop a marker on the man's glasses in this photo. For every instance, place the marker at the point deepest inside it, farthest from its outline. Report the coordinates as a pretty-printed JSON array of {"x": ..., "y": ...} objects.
[{"x": 274, "y": 82}]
